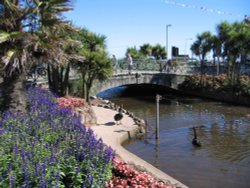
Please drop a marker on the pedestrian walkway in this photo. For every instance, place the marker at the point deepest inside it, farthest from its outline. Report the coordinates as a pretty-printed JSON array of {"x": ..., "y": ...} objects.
[{"x": 114, "y": 135}]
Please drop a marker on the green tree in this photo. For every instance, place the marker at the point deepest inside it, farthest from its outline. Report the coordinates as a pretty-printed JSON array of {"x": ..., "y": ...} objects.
[
  {"x": 234, "y": 39},
  {"x": 201, "y": 47},
  {"x": 96, "y": 64},
  {"x": 159, "y": 52},
  {"x": 58, "y": 73},
  {"x": 216, "y": 49},
  {"x": 25, "y": 40},
  {"x": 223, "y": 30},
  {"x": 134, "y": 53},
  {"x": 146, "y": 50}
]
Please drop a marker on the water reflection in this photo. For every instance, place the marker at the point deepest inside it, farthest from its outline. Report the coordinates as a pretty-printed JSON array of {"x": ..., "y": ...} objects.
[{"x": 224, "y": 131}]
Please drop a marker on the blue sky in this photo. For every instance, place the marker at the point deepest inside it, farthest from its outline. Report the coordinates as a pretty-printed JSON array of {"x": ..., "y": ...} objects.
[{"x": 129, "y": 23}]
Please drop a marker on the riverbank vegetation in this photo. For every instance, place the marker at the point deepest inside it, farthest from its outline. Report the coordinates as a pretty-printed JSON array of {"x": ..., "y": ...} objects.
[
  {"x": 218, "y": 83},
  {"x": 230, "y": 46}
]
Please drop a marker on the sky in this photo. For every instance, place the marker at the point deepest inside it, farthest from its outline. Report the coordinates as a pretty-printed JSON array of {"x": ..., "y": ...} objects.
[{"x": 132, "y": 23}]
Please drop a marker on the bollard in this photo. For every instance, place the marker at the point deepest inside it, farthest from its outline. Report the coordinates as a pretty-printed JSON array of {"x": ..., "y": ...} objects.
[{"x": 158, "y": 98}]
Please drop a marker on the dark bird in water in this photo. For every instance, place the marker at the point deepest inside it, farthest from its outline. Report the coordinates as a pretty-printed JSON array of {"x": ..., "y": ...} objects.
[
  {"x": 118, "y": 117},
  {"x": 195, "y": 141}
]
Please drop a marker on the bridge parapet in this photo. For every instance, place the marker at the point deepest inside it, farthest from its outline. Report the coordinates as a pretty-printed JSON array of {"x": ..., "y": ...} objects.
[
  {"x": 124, "y": 79},
  {"x": 183, "y": 68}
]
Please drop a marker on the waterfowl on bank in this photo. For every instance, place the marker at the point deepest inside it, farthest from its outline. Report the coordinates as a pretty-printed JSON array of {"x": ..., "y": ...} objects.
[
  {"x": 195, "y": 141},
  {"x": 118, "y": 117}
]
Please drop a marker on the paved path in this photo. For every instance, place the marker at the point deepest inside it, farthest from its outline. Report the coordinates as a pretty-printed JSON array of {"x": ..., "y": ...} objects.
[{"x": 113, "y": 135}]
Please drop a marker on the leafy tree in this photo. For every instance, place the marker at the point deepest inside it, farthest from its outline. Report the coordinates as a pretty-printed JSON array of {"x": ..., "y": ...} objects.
[
  {"x": 96, "y": 64},
  {"x": 58, "y": 74},
  {"x": 134, "y": 53},
  {"x": 25, "y": 40},
  {"x": 159, "y": 52},
  {"x": 201, "y": 47},
  {"x": 234, "y": 38},
  {"x": 146, "y": 49},
  {"x": 223, "y": 30},
  {"x": 216, "y": 48},
  {"x": 231, "y": 43}
]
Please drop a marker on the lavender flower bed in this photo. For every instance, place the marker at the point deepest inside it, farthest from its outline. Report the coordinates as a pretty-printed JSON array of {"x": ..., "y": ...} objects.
[{"x": 49, "y": 147}]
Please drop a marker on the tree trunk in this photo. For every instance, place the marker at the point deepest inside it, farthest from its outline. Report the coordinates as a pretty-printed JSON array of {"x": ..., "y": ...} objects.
[
  {"x": 13, "y": 93},
  {"x": 89, "y": 83},
  {"x": 59, "y": 79},
  {"x": 83, "y": 86},
  {"x": 66, "y": 80}
]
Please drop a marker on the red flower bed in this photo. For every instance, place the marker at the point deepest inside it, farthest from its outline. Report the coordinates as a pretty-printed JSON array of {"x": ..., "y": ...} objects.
[
  {"x": 70, "y": 102},
  {"x": 126, "y": 177}
]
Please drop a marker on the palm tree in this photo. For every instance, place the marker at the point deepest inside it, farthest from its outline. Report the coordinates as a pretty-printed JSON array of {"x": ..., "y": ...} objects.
[
  {"x": 244, "y": 40},
  {"x": 146, "y": 49},
  {"x": 216, "y": 48},
  {"x": 201, "y": 47},
  {"x": 25, "y": 39},
  {"x": 159, "y": 52},
  {"x": 58, "y": 73},
  {"x": 134, "y": 53},
  {"x": 223, "y": 30},
  {"x": 96, "y": 64},
  {"x": 235, "y": 39}
]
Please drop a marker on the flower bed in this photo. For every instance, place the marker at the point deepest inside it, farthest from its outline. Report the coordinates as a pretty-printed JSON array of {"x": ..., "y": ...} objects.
[
  {"x": 70, "y": 102},
  {"x": 124, "y": 176},
  {"x": 49, "y": 147}
]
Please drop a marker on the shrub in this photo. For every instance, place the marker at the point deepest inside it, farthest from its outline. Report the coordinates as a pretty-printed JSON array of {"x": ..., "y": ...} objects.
[
  {"x": 218, "y": 83},
  {"x": 49, "y": 147}
]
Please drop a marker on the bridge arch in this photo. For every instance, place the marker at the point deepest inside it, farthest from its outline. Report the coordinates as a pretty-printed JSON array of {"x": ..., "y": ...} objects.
[{"x": 161, "y": 79}]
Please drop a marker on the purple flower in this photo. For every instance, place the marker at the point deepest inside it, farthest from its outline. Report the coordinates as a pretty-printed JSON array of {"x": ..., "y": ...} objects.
[
  {"x": 2, "y": 131},
  {"x": 50, "y": 141}
]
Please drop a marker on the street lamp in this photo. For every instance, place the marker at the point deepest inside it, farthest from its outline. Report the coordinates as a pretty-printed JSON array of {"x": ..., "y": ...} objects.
[{"x": 167, "y": 26}]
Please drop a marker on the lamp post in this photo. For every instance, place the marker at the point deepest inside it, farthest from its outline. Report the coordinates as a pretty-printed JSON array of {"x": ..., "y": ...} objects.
[{"x": 167, "y": 26}]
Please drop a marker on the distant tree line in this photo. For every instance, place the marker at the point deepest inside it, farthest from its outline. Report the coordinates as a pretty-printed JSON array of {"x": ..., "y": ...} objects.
[
  {"x": 230, "y": 45},
  {"x": 148, "y": 51}
]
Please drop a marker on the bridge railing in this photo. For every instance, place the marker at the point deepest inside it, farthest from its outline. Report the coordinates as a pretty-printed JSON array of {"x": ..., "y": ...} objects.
[
  {"x": 151, "y": 65},
  {"x": 185, "y": 68},
  {"x": 142, "y": 65}
]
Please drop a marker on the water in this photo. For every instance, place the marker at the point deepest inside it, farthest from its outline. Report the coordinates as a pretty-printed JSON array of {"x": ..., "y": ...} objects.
[{"x": 223, "y": 129}]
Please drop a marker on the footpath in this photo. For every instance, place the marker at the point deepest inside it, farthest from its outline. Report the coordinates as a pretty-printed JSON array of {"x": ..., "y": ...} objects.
[{"x": 114, "y": 135}]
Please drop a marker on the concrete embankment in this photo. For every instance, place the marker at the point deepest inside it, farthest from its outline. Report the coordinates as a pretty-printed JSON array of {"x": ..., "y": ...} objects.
[{"x": 114, "y": 135}]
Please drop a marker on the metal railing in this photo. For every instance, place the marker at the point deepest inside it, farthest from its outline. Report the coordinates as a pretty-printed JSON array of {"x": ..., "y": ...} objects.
[{"x": 179, "y": 67}]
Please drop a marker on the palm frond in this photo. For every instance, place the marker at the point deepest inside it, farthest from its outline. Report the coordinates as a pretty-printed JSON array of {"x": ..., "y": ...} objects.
[{"x": 4, "y": 36}]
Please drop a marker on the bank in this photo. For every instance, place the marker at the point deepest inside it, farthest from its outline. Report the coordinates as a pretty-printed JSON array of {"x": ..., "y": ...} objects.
[{"x": 114, "y": 135}]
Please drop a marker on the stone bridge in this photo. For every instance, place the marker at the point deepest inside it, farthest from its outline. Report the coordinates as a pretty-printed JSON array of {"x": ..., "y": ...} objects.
[
  {"x": 155, "y": 78},
  {"x": 156, "y": 73}
]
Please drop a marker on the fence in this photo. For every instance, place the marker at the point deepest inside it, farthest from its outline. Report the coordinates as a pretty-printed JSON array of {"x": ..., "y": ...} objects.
[{"x": 180, "y": 67}]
